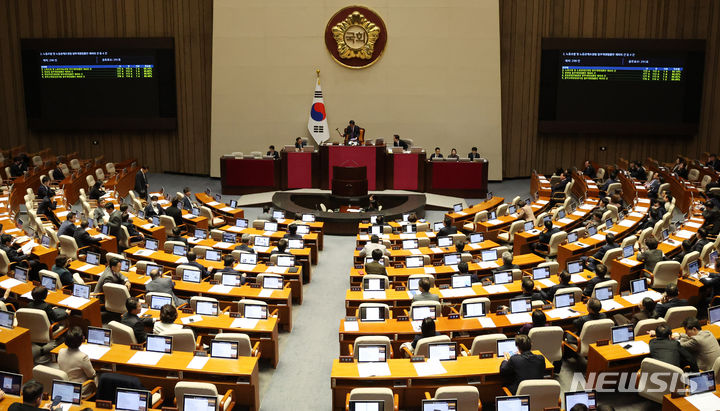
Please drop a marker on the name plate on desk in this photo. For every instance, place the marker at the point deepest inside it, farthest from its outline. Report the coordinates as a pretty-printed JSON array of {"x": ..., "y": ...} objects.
[
  {"x": 346, "y": 358},
  {"x": 137, "y": 347},
  {"x": 235, "y": 315},
  {"x": 403, "y": 318},
  {"x": 600, "y": 343},
  {"x": 200, "y": 353},
  {"x": 487, "y": 354},
  {"x": 355, "y": 288},
  {"x": 186, "y": 310},
  {"x": 255, "y": 285},
  {"x": 400, "y": 288},
  {"x": 417, "y": 358},
  {"x": 105, "y": 404},
  {"x": 454, "y": 316}
]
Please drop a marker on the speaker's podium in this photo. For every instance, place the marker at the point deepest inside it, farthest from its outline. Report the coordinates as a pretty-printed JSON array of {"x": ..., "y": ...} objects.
[{"x": 349, "y": 182}]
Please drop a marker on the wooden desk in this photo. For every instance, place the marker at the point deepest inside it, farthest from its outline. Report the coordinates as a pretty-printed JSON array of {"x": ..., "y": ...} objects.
[
  {"x": 467, "y": 215},
  {"x": 239, "y": 375},
  {"x": 221, "y": 209},
  {"x": 9, "y": 400},
  {"x": 17, "y": 343},
  {"x": 682, "y": 404},
  {"x": 404, "y": 380},
  {"x": 436, "y": 253}
]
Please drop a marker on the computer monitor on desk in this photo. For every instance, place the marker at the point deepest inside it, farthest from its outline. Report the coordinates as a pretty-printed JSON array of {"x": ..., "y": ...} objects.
[{"x": 513, "y": 403}]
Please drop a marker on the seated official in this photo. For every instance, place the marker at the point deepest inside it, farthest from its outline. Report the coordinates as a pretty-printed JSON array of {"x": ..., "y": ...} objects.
[
  {"x": 266, "y": 215},
  {"x": 112, "y": 275},
  {"x": 374, "y": 267},
  {"x": 646, "y": 308},
  {"x": 473, "y": 154},
  {"x": 175, "y": 212},
  {"x": 299, "y": 143},
  {"x": 711, "y": 217},
  {"x": 272, "y": 153},
  {"x": 292, "y": 233},
  {"x": 352, "y": 133},
  {"x": 153, "y": 209},
  {"x": 192, "y": 257},
  {"x": 524, "y": 211},
  {"x": 397, "y": 142},
  {"x": 549, "y": 293},
  {"x": 83, "y": 238},
  {"x": 686, "y": 248},
  {"x": 18, "y": 167},
  {"x": 700, "y": 240},
  {"x": 464, "y": 268},
  {"x": 374, "y": 244},
  {"x": 281, "y": 248},
  {"x": 594, "y": 306},
  {"x": 522, "y": 366},
  {"x": 228, "y": 262},
  {"x": 425, "y": 295},
  {"x": 97, "y": 191},
  {"x": 651, "y": 256},
  {"x": 453, "y": 155},
  {"x": 669, "y": 300},
  {"x": 45, "y": 190},
  {"x": 168, "y": 315},
  {"x": 588, "y": 169},
  {"x": 61, "y": 269},
  {"x": 612, "y": 178},
  {"x": 46, "y": 208},
  {"x": 665, "y": 349},
  {"x": 54, "y": 314},
  {"x": 637, "y": 171},
  {"x": 177, "y": 236},
  {"x": 67, "y": 227},
  {"x": 131, "y": 319},
  {"x": 600, "y": 253},
  {"x": 559, "y": 187},
  {"x": 436, "y": 154},
  {"x": 76, "y": 363},
  {"x": 507, "y": 259},
  {"x": 245, "y": 244},
  {"x": 539, "y": 319},
  {"x": 600, "y": 273},
  {"x": 701, "y": 344},
  {"x": 544, "y": 237},
  {"x": 186, "y": 201},
  {"x": 32, "y": 393},
  {"x": 160, "y": 284},
  {"x": 12, "y": 252},
  {"x": 448, "y": 228},
  {"x": 529, "y": 290},
  {"x": 427, "y": 329}
]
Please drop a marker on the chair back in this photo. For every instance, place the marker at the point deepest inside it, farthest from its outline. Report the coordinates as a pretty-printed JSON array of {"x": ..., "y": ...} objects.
[
  {"x": 467, "y": 396},
  {"x": 241, "y": 304},
  {"x": 657, "y": 378},
  {"x": 149, "y": 297},
  {"x": 515, "y": 227},
  {"x": 705, "y": 180},
  {"x": 121, "y": 333},
  {"x": 169, "y": 224},
  {"x": 480, "y": 216},
  {"x": 543, "y": 393},
  {"x": 115, "y": 297},
  {"x": 201, "y": 250},
  {"x": 666, "y": 272},
  {"x": 484, "y": 300},
  {"x": 421, "y": 348},
  {"x": 374, "y": 340},
  {"x": 644, "y": 235},
  {"x": 259, "y": 224},
  {"x": 610, "y": 255},
  {"x": 243, "y": 340},
  {"x": 78, "y": 279},
  {"x": 182, "y": 340},
  {"x": 436, "y": 304},
  {"x": 430, "y": 277},
  {"x": 687, "y": 259},
  {"x": 384, "y": 307},
  {"x": 55, "y": 276},
  {"x": 45, "y": 376},
  {"x": 168, "y": 247},
  {"x": 110, "y": 167},
  {"x": 374, "y": 394},
  {"x": 555, "y": 241},
  {"x": 645, "y": 326},
  {"x": 547, "y": 340},
  {"x": 68, "y": 247},
  {"x": 553, "y": 266},
  {"x": 592, "y": 331},
  {"x": 501, "y": 210},
  {"x": 486, "y": 343},
  {"x": 675, "y": 316},
  {"x": 183, "y": 388},
  {"x": 629, "y": 240},
  {"x": 37, "y": 322},
  {"x": 90, "y": 181},
  {"x": 53, "y": 237},
  {"x": 705, "y": 254},
  {"x": 606, "y": 283},
  {"x": 99, "y": 174},
  {"x": 4, "y": 263},
  {"x": 716, "y": 366},
  {"x": 576, "y": 291}
]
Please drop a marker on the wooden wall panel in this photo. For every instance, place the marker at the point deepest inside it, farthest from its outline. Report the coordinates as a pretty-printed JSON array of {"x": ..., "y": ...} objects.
[
  {"x": 523, "y": 23},
  {"x": 189, "y": 22}
]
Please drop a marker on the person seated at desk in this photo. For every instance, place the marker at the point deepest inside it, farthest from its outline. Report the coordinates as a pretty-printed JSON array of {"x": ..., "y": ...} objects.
[
  {"x": 160, "y": 284},
  {"x": 600, "y": 253},
  {"x": 544, "y": 237},
  {"x": 549, "y": 293},
  {"x": 588, "y": 169},
  {"x": 436, "y": 154},
  {"x": 351, "y": 134},
  {"x": 186, "y": 201},
  {"x": 653, "y": 185},
  {"x": 524, "y": 211},
  {"x": 686, "y": 248},
  {"x": 112, "y": 274},
  {"x": 507, "y": 259},
  {"x": 57, "y": 172},
  {"x": 228, "y": 262},
  {"x": 637, "y": 171},
  {"x": 61, "y": 269},
  {"x": 18, "y": 167},
  {"x": 711, "y": 216},
  {"x": 374, "y": 266},
  {"x": 32, "y": 393},
  {"x": 45, "y": 190},
  {"x": 655, "y": 213},
  {"x": 453, "y": 155},
  {"x": 83, "y": 238},
  {"x": 617, "y": 200},
  {"x": 177, "y": 236},
  {"x": 168, "y": 315},
  {"x": 559, "y": 187},
  {"x": 76, "y": 363},
  {"x": 374, "y": 244},
  {"x": 646, "y": 309},
  {"x": 427, "y": 329},
  {"x": 425, "y": 295},
  {"x": 473, "y": 154},
  {"x": 126, "y": 222},
  {"x": 669, "y": 300},
  {"x": 192, "y": 257},
  {"x": 175, "y": 212},
  {"x": 539, "y": 319},
  {"x": 448, "y": 228},
  {"x": 600, "y": 273},
  {"x": 464, "y": 269},
  {"x": 601, "y": 208},
  {"x": 245, "y": 244},
  {"x": 612, "y": 178},
  {"x": 266, "y": 215},
  {"x": 67, "y": 227},
  {"x": 292, "y": 233},
  {"x": 525, "y": 365},
  {"x": 153, "y": 209},
  {"x": 97, "y": 191},
  {"x": 397, "y": 142},
  {"x": 529, "y": 291},
  {"x": 701, "y": 344},
  {"x": 681, "y": 170},
  {"x": 299, "y": 143},
  {"x": 651, "y": 256},
  {"x": 54, "y": 314},
  {"x": 281, "y": 248},
  {"x": 700, "y": 240},
  {"x": 272, "y": 153},
  {"x": 665, "y": 349},
  {"x": 11, "y": 251},
  {"x": 131, "y": 319},
  {"x": 46, "y": 207},
  {"x": 594, "y": 306}
]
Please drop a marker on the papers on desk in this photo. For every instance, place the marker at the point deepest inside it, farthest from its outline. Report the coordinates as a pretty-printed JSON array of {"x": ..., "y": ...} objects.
[
  {"x": 27, "y": 295},
  {"x": 227, "y": 209},
  {"x": 430, "y": 234},
  {"x": 627, "y": 223},
  {"x": 457, "y": 292},
  {"x": 454, "y": 267},
  {"x": 412, "y": 293},
  {"x": 429, "y": 367},
  {"x": 565, "y": 220},
  {"x": 148, "y": 226},
  {"x": 406, "y": 236},
  {"x": 637, "y": 298},
  {"x": 415, "y": 251},
  {"x": 488, "y": 264},
  {"x": 351, "y": 326},
  {"x": 235, "y": 229},
  {"x": 193, "y": 240},
  {"x": 630, "y": 262},
  {"x": 143, "y": 253},
  {"x": 374, "y": 295},
  {"x": 429, "y": 270},
  {"x": 547, "y": 282},
  {"x": 461, "y": 213},
  {"x": 27, "y": 247},
  {"x": 577, "y": 278},
  {"x": 94, "y": 351},
  {"x": 494, "y": 222},
  {"x": 266, "y": 293},
  {"x": 191, "y": 319},
  {"x": 145, "y": 358},
  {"x": 245, "y": 267},
  {"x": 213, "y": 203},
  {"x": 684, "y": 234},
  {"x": 637, "y": 347},
  {"x": 261, "y": 249},
  {"x": 246, "y": 323},
  {"x": 373, "y": 369},
  {"x": 521, "y": 318},
  {"x": 416, "y": 326},
  {"x": 636, "y": 215},
  {"x": 581, "y": 244},
  {"x": 10, "y": 283},
  {"x": 473, "y": 246},
  {"x": 197, "y": 363},
  {"x": 268, "y": 233},
  {"x": 598, "y": 237},
  {"x": 578, "y": 213},
  {"x": 586, "y": 207},
  {"x": 12, "y": 231},
  {"x": 220, "y": 289},
  {"x": 608, "y": 305},
  {"x": 641, "y": 209},
  {"x": 74, "y": 302},
  {"x": 364, "y": 237},
  {"x": 495, "y": 289},
  {"x": 486, "y": 322},
  {"x": 181, "y": 260},
  {"x": 542, "y": 202},
  {"x": 693, "y": 225},
  {"x": 276, "y": 270},
  {"x": 222, "y": 244},
  {"x": 534, "y": 231},
  {"x": 704, "y": 401},
  {"x": 561, "y": 313},
  {"x": 62, "y": 213},
  {"x": 436, "y": 250}
]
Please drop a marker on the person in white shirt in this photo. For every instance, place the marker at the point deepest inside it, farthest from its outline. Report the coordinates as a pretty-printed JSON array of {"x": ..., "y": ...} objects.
[
  {"x": 374, "y": 244},
  {"x": 168, "y": 315}
]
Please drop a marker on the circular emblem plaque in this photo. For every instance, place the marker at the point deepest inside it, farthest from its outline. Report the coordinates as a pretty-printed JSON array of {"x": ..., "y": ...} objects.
[{"x": 355, "y": 37}]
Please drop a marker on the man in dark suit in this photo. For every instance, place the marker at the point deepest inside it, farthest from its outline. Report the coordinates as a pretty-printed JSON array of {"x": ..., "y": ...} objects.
[
  {"x": 186, "y": 200},
  {"x": 272, "y": 153},
  {"x": 549, "y": 293},
  {"x": 141, "y": 182},
  {"x": 593, "y": 306},
  {"x": 545, "y": 236},
  {"x": 97, "y": 191},
  {"x": 83, "y": 238},
  {"x": 600, "y": 253},
  {"x": 559, "y": 187},
  {"x": 448, "y": 228},
  {"x": 352, "y": 132},
  {"x": 177, "y": 236},
  {"x": 12, "y": 254},
  {"x": 18, "y": 167},
  {"x": 667, "y": 350},
  {"x": 713, "y": 162},
  {"x": 397, "y": 142},
  {"x": 701, "y": 240},
  {"x": 436, "y": 154},
  {"x": 508, "y": 265},
  {"x": 529, "y": 291},
  {"x": 281, "y": 248},
  {"x": 245, "y": 244},
  {"x": 175, "y": 212},
  {"x": 153, "y": 208},
  {"x": 711, "y": 215},
  {"x": 228, "y": 262},
  {"x": 67, "y": 227},
  {"x": 589, "y": 170},
  {"x": 191, "y": 257},
  {"x": 374, "y": 267},
  {"x": 46, "y": 207},
  {"x": 39, "y": 294},
  {"x": 160, "y": 284},
  {"x": 292, "y": 233},
  {"x": 522, "y": 366},
  {"x": 669, "y": 300},
  {"x": 44, "y": 190},
  {"x": 116, "y": 220},
  {"x": 652, "y": 255},
  {"x": 473, "y": 154},
  {"x": 637, "y": 171},
  {"x": 611, "y": 179},
  {"x": 600, "y": 272},
  {"x": 131, "y": 319}
]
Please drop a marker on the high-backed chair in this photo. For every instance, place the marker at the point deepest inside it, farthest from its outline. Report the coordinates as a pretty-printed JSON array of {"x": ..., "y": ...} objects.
[
  {"x": 665, "y": 272},
  {"x": 183, "y": 340},
  {"x": 629, "y": 240},
  {"x": 645, "y": 326},
  {"x": 547, "y": 340},
  {"x": 115, "y": 297},
  {"x": 213, "y": 221},
  {"x": 657, "y": 378},
  {"x": 370, "y": 340},
  {"x": 484, "y": 300},
  {"x": 675, "y": 316},
  {"x": 577, "y": 293},
  {"x": 195, "y": 298},
  {"x": 543, "y": 393},
  {"x": 384, "y": 308},
  {"x": 169, "y": 224},
  {"x": 68, "y": 247},
  {"x": 45, "y": 376},
  {"x": 430, "y": 277},
  {"x": 555, "y": 241},
  {"x": 385, "y": 395},
  {"x": 182, "y": 388},
  {"x": 705, "y": 253},
  {"x": 436, "y": 304},
  {"x": 4, "y": 263},
  {"x": 168, "y": 246},
  {"x": 245, "y": 347},
  {"x": 716, "y": 366},
  {"x": 421, "y": 348},
  {"x": 121, "y": 333},
  {"x": 607, "y": 283},
  {"x": 467, "y": 396},
  {"x": 54, "y": 276},
  {"x": 485, "y": 343},
  {"x": 501, "y": 210},
  {"x": 480, "y": 216},
  {"x": 42, "y": 332},
  {"x": 591, "y": 332},
  {"x": 553, "y": 266},
  {"x": 149, "y": 297},
  {"x": 687, "y": 259},
  {"x": 509, "y": 236}
]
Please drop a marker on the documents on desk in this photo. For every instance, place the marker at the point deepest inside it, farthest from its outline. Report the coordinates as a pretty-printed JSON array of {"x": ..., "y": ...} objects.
[
  {"x": 213, "y": 203},
  {"x": 494, "y": 222},
  {"x": 191, "y": 319},
  {"x": 148, "y": 226},
  {"x": 351, "y": 326},
  {"x": 486, "y": 322},
  {"x": 522, "y": 318},
  {"x": 74, "y": 302},
  {"x": 578, "y": 213},
  {"x": 561, "y": 313},
  {"x": 276, "y": 270},
  {"x": 542, "y": 202},
  {"x": 142, "y": 253},
  {"x": 495, "y": 289},
  {"x": 684, "y": 234},
  {"x": 245, "y": 267},
  {"x": 10, "y": 283},
  {"x": 267, "y": 292},
  {"x": 636, "y": 215},
  {"x": 220, "y": 289},
  {"x": 693, "y": 224},
  {"x": 374, "y": 295},
  {"x": 565, "y": 220},
  {"x": 415, "y": 251},
  {"x": 261, "y": 249},
  {"x": 222, "y": 244},
  {"x": 637, "y": 298},
  {"x": 406, "y": 236},
  {"x": 488, "y": 264},
  {"x": 637, "y": 347},
  {"x": 627, "y": 223},
  {"x": 227, "y": 209},
  {"x": 87, "y": 267},
  {"x": 197, "y": 363},
  {"x": 146, "y": 358},
  {"x": 429, "y": 367},
  {"x": 609, "y": 305},
  {"x": 630, "y": 262},
  {"x": 457, "y": 292},
  {"x": 454, "y": 267},
  {"x": 181, "y": 260},
  {"x": 598, "y": 237},
  {"x": 373, "y": 369},
  {"x": 577, "y": 278},
  {"x": 547, "y": 282},
  {"x": 94, "y": 351},
  {"x": 27, "y": 247},
  {"x": 583, "y": 207},
  {"x": 246, "y": 323},
  {"x": 704, "y": 401},
  {"x": 436, "y": 250},
  {"x": 429, "y": 270}
]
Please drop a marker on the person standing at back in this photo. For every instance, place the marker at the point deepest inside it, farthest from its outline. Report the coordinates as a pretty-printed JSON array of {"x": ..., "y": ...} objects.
[{"x": 141, "y": 182}]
